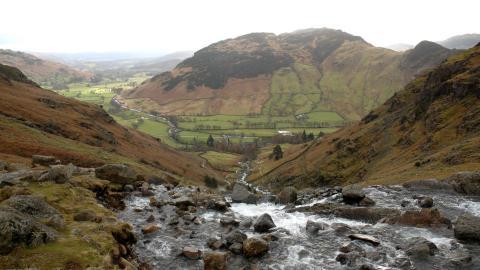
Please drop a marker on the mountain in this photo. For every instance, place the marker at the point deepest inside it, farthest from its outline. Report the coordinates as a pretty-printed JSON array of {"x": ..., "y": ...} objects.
[
  {"x": 430, "y": 129},
  {"x": 44, "y": 72},
  {"x": 461, "y": 41},
  {"x": 400, "y": 47},
  {"x": 299, "y": 72},
  {"x": 37, "y": 121}
]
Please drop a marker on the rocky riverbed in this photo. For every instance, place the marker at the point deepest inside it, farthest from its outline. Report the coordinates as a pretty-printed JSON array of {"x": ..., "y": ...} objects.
[{"x": 425, "y": 224}]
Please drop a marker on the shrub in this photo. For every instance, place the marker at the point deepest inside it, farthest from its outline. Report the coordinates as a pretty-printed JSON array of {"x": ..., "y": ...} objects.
[{"x": 210, "y": 182}]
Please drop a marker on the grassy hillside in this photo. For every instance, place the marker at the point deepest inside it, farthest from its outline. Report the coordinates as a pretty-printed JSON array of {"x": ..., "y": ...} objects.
[
  {"x": 46, "y": 73},
  {"x": 301, "y": 72},
  {"x": 38, "y": 121},
  {"x": 429, "y": 129}
]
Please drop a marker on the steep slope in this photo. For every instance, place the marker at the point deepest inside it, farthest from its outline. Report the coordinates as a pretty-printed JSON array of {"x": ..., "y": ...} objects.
[
  {"x": 299, "y": 72},
  {"x": 38, "y": 121},
  {"x": 429, "y": 129},
  {"x": 461, "y": 41},
  {"x": 46, "y": 73}
]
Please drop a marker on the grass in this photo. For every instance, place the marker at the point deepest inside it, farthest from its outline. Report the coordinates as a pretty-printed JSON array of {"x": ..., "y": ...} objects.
[{"x": 222, "y": 161}]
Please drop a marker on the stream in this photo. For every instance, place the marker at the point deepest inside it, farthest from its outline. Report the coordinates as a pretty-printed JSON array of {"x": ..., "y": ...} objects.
[{"x": 295, "y": 247}]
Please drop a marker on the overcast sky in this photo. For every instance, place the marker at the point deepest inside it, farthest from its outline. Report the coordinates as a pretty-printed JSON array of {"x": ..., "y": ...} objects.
[{"x": 177, "y": 25}]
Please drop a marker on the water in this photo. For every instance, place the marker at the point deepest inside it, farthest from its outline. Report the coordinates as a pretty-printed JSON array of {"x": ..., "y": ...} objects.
[{"x": 297, "y": 249}]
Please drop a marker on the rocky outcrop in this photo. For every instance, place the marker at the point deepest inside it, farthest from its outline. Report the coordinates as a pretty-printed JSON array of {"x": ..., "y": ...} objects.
[
  {"x": 428, "y": 184},
  {"x": 427, "y": 217},
  {"x": 243, "y": 194},
  {"x": 44, "y": 160},
  {"x": 263, "y": 223},
  {"x": 60, "y": 174},
  {"x": 467, "y": 228},
  {"x": 116, "y": 173},
  {"x": 465, "y": 182}
]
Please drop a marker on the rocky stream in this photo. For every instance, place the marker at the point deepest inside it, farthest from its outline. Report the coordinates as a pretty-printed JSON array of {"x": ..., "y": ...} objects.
[{"x": 425, "y": 224}]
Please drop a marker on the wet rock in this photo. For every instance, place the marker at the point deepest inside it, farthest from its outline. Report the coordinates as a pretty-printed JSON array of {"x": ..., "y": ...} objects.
[
  {"x": 263, "y": 223},
  {"x": 229, "y": 221},
  {"x": 44, "y": 160},
  {"x": 467, "y": 228},
  {"x": 192, "y": 253},
  {"x": 426, "y": 202},
  {"x": 426, "y": 217},
  {"x": 351, "y": 247},
  {"x": 151, "y": 219},
  {"x": 254, "y": 246},
  {"x": 236, "y": 248},
  {"x": 366, "y": 238},
  {"x": 60, "y": 174},
  {"x": 215, "y": 261},
  {"x": 150, "y": 229},
  {"x": 465, "y": 182},
  {"x": 427, "y": 184},
  {"x": 287, "y": 195},
  {"x": 183, "y": 202},
  {"x": 219, "y": 205},
  {"x": 349, "y": 259},
  {"x": 128, "y": 188},
  {"x": 367, "y": 214},
  {"x": 242, "y": 194},
  {"x": 420, "y": 247},
  {"x": 116, "y": 173},
  {"x": 313, "y": 227},
  {"x": 367, "y": 267},
  {"x": 235, "y": 236},
  {"x": 366, "y": 202},
  {"x": 145, "y": 189},
  {"x": 353, "y": 194},
  {"x": 214, "y": 243},
  {"x": 405, "y": 203},
  {"x": 86, "y": 215},
  {"x": 271, "y": 237},
  {"x": 246, "y": 223},
  {"x": 17, "y": 228},
  {"x": 341, "y": 229}
]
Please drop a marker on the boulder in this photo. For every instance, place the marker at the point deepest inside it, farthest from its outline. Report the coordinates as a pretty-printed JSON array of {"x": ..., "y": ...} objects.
[
  {"x": 465, "y": 182},
  {"x": 366, "y": 202},
  {"x": 150, "y": 229},
  {"x": 426, "y": 202},
  {"x": 353, "y": 194},
  {"x": 145, "y": 189},
  {"x": 15, "y": 178},
  {"x": 123, "y": 233},
  {"x": 313, "y": 227},
  {"x": 44, "y": 160},
  {"x": 427, "y": 184},
  {"x": 263, "y": 223},
  {"x": 254, "y": 246},
  {"x": 229, "y": 221},
  {"x": 236, "y": 248},
  {"x": 60, "y": 174},
  {"x": 246, "y": 223},
  {"x": 192, "y": 253},
  {"x": 287, "y": 195},
  {"x": 116, "y": 173},
  {"x": 366, "y": 238},
  {"x": 183, "y": 202},
  {"x": 214, "y": 243},
  {"x": 426, "y": 217},
  {"x": 420, "y": 247},
  {"x": 151, "y": 219},
  {"x": 215, "y": 261},
  {"x": 235, "y": 236},
  {"x": 242, "y": 194},
  {"x": 30, "y": 205},
  {"x": 467, "y": 228},
  {"x": 17, "y": 228}
]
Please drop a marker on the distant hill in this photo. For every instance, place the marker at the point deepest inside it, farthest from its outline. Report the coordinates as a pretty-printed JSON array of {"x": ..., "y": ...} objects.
[
  {"x": 299, "y": 72},
  {"x": 430, "y": 129},
  {"x": 461, "y": 41},
  {"x": 38, "y": 121},
  {"x": 44, "y": 72}
]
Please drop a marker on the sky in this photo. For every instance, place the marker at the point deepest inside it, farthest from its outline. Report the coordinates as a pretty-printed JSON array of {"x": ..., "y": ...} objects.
[{"x": 72, "y": 26}]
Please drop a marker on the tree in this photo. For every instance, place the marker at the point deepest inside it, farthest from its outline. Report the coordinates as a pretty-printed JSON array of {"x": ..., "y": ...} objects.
[
  {"x": 210, "y": 140},
  {"x": 304, "y": 136},
  {"x": 311, "y": 136},
  {"x": 277, "y": 152}
]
